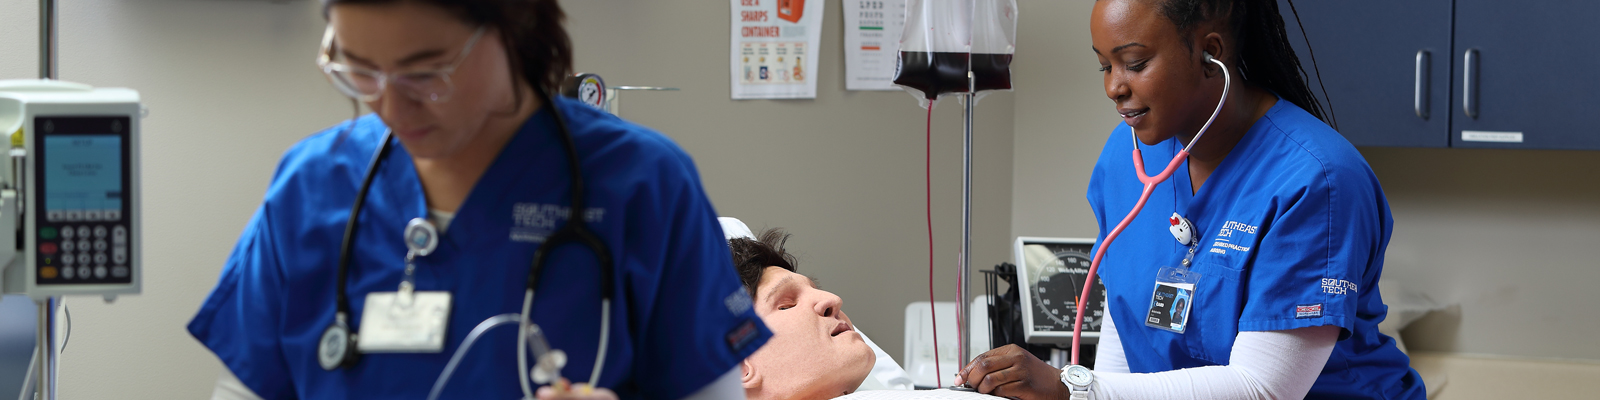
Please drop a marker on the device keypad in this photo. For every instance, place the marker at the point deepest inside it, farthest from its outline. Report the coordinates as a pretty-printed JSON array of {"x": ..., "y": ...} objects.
[{"x": 84, "y": 252}]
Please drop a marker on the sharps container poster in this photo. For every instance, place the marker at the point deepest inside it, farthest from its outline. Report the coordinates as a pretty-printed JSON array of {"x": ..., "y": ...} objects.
[{"x": 775, "y": 46}]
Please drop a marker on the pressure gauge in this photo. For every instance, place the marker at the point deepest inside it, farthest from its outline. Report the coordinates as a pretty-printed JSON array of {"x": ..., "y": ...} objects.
[
  {"x": 1053, "y": 273},
  {"x": 1058, "y": 289},
  {"x": 587, "y": 88}
]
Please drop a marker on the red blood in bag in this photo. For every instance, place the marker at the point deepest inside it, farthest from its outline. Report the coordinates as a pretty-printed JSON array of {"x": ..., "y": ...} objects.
[
  {"x": 938, "y": 73},
  {"x": 933, "y": 73},
  {"x": 993, "y": 71}
]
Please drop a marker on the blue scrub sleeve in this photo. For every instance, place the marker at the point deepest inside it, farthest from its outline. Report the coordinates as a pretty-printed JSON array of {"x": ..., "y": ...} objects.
[
  {"x": 1313, "y": 261},
  {"x": 239, "y": 320},
  {"x": 702, "y": 325}
]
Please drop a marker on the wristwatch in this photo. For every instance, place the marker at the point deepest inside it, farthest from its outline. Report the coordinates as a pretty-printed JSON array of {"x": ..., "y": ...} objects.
[{"x": 1078, "y": 378}]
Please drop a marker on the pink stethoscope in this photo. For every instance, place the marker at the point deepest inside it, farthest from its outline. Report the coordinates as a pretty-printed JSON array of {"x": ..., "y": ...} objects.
[{"x": 1150, "y": 183}]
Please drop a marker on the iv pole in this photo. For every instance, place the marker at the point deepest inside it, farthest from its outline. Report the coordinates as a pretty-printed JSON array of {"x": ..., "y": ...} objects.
[
  {"x": 44, "y": 367},
  {"x": 963, "y": 307}
]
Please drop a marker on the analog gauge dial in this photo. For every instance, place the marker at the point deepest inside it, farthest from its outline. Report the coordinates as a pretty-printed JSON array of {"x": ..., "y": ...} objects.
[
  {"x": 587, "y": 88},
  {"x": 1056, "y": 294}
]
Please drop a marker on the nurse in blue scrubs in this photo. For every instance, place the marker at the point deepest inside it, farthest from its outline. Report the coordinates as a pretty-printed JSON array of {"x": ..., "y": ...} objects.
[
  {"x": 476, "y": 150},
  {"x": 1289, "y": 226}
]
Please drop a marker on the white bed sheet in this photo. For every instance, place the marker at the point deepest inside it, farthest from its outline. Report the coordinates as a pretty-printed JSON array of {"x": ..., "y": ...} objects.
[{"x": 936, "y": 394}]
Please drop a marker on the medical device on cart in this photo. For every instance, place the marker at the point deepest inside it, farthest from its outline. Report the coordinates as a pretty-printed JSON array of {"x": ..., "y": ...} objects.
[
  {"x": 1052, "y": 273},
  {"x": 69, "y": 195}
]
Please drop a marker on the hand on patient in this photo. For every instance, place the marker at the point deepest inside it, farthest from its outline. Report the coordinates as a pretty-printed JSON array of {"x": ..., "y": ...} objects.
[{"x": 1013, "y": 372}]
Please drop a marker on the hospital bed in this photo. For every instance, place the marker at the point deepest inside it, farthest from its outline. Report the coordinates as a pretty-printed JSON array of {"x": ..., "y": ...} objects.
[{"x": 16, "y": 345}]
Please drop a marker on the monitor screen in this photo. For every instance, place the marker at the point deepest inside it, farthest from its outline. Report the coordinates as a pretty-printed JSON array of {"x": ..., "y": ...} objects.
[
  {"x": 84, "y": 174},
  {"x": 1053, "y": 272}
]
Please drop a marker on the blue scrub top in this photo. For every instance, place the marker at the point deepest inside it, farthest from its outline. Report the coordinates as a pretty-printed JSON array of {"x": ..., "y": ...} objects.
[
  {"x": 1292, "y": 228},
  {"x": 680, "y": 318}
]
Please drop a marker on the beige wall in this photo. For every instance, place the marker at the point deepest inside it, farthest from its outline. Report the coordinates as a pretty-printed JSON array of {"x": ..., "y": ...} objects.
[
  {"x": 843, "y": 173},
  {"x": 1062, "y": 119},
  {"x": 1510, "y": 237}
]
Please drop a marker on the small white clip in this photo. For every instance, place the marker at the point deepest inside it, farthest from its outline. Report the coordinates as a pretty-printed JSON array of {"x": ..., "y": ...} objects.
[{"x": 1182, "y": 229}]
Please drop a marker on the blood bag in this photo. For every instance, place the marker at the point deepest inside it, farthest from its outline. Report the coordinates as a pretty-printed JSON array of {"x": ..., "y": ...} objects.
[
  {"x": 944, "y": 39},
  {"x": 994, "y": 38}
]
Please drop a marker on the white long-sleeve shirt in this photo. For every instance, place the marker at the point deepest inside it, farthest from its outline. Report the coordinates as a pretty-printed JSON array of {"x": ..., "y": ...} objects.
[{"x": 1262, "y": 365}]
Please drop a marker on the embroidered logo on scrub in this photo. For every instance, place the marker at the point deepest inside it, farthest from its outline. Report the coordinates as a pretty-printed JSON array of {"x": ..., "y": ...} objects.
[
  {"x": 1337, "y": 286},
  {"x": 1308, "y": 311},
  {"x": 532, "y": 222},
  {"x": 738, "y": 302},
  {"x": 1234, "y": 236}
]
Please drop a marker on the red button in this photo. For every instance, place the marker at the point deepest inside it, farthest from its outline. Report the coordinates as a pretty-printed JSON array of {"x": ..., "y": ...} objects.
[{"x": 47, "y": 248}]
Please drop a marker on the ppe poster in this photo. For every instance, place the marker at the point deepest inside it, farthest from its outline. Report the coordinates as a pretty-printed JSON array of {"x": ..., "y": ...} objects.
[
  {"x": 775, "y": 46},
  {"x": 872, "y": 31}
]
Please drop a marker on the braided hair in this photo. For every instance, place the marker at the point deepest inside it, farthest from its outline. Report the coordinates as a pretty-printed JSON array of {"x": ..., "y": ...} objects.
[{"x": 1264, "y": 56}]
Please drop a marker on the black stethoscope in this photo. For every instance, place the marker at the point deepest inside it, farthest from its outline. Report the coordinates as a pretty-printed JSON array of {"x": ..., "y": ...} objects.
[{"x": 337, "y": 348}]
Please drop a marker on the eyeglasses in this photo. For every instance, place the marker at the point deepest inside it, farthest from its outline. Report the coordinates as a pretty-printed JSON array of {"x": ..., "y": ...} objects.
[{"x": 368, "y": 85}]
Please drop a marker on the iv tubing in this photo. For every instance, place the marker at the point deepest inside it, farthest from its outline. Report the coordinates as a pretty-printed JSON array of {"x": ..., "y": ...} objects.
[
  {"x": 1149, "y": 186},
  {"x": 502, "y": 319},
  {"x": 605, "y": 333},
  {"x": 522, "y": 345},
  {"x": 933, "y": 315}
]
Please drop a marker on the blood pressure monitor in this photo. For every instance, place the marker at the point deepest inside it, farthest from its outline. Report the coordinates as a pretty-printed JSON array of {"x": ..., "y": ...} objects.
[
  {"x": 1054, "y": 271},
  {"x": 71, "y": 190}
]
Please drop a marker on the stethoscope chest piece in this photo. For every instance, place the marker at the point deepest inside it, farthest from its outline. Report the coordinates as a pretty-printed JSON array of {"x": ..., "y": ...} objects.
[
  {"x": 336, "y": 348},
  {"x": 421, "y": 237}
]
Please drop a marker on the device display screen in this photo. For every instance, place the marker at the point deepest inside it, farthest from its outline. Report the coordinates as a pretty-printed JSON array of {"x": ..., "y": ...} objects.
[
  {"x": 85, "y": 176},
  {"x": 83, "y": 229}
]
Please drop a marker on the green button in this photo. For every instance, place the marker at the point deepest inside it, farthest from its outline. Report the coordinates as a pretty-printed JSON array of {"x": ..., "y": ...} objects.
[{"x": 47, "y": 233}]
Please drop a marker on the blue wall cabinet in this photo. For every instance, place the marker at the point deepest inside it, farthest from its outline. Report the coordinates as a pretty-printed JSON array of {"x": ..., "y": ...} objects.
[
  {"x": 1457, "y": 73},
  {"x": 1526, "y": 74},
  {"x": 1385, "y": 65}
]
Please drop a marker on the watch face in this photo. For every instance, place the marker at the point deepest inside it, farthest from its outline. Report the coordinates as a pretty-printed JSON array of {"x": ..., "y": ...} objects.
[
  {"x": 1059, "y": 284},
  {"x": 1077, "y": 375}
]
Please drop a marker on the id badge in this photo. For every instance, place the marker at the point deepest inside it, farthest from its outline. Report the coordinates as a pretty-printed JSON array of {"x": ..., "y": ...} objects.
[
  {"x": 1174, "y": 294},
  {"x": 389, "y": 325}
]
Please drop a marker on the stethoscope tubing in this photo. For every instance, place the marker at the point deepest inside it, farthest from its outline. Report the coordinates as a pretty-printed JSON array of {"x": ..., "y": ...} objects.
[
  {"x": 576, "y": 229},
  {"x": 1144, "y": 196}
]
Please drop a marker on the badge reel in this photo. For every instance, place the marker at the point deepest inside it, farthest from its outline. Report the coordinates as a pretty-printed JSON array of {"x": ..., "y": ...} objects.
[
  {"x": 406, "y": 320},
  {"x": 1174, "y": 291}
]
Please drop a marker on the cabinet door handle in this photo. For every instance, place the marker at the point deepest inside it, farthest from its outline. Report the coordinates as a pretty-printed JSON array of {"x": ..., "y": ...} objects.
[
  {"x": 1420, "y": 101},
  {"x": 1467, "y": 76}
]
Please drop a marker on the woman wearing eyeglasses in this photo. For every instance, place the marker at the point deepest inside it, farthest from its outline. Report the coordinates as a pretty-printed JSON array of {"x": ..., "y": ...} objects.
[{"x": 384, "y": 242}]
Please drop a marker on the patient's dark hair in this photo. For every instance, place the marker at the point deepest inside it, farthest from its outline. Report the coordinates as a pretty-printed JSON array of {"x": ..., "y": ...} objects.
[{"x": 752, "y": 257}]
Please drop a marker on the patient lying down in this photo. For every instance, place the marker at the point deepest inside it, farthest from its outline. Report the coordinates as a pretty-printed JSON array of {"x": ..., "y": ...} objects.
[{"x": 814, "y": 352}]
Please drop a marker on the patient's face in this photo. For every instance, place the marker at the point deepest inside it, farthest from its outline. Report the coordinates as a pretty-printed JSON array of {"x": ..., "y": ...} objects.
[{"x": 813, "y": 353}]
